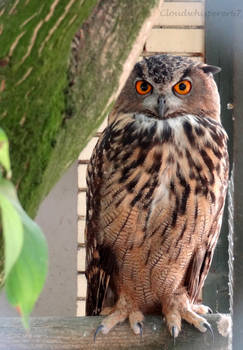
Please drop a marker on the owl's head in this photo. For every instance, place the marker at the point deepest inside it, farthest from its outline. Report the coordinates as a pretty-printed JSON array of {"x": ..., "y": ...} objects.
[{"x": 165, "y": 86}]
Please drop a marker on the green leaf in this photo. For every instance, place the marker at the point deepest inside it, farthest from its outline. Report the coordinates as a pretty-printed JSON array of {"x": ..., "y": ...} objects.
[
  {"x": 4, "y": 153},
  {"x": 11, "y": 224},
  {"x": 25, "y": 279}
]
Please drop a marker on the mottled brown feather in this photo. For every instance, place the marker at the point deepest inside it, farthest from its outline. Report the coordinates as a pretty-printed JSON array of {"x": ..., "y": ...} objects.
[{"x": 120, "y": 218}]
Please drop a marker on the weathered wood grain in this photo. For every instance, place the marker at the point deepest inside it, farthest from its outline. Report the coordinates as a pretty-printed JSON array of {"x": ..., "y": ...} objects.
[{"x": 77, "y": 333}]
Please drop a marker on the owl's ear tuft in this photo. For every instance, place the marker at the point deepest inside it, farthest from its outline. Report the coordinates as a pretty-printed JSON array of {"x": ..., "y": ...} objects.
[{"x": 211, "y": 69}]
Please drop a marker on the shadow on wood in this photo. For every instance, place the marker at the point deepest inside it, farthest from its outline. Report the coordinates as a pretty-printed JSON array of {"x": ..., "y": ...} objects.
[{"x": 51, "y": 333}]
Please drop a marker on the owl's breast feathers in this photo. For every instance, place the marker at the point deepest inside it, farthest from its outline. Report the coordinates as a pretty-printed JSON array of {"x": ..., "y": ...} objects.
[{"x": 156, "y": 191}]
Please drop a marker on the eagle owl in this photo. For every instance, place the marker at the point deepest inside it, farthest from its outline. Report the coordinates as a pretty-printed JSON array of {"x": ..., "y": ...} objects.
[{"x": 157, "y": 182}]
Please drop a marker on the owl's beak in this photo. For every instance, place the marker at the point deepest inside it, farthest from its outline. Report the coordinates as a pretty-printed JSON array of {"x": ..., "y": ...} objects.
[{"x": 161, "y": 106}]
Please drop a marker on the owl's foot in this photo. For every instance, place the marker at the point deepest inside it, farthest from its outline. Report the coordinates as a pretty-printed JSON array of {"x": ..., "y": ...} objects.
[
  {"x": 178, "y": 308},
  {"x": 111, "y": 321},
  {"x": 202, "y": 309},
  {"x": 119, "y": 313},
  {"x": 136, "y": 322}
]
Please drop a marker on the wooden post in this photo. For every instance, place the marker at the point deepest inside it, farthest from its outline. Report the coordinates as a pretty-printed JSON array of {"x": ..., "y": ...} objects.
[{"x": 78, "y": 333}]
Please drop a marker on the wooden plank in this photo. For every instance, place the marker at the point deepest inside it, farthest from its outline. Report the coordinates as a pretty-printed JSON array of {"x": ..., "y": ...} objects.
[
  {"x": 82, "y": 286},
  {"x": 88, "y": 149},
  {"x": 81, "y": 228},
  {"x": 81, "y": 259},
  {"x": 181, "y": 13},
  {"x": 82, "y": 169},
  {"x": 49, "y": 333},
  {"x": 82, "y": 203},
  {"x": 175, "y": 40},
  {"x": 81, "y": 304},
  {"x": 195, "y": 57}
]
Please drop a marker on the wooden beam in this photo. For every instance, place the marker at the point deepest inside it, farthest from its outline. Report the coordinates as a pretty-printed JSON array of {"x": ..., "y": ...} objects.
[{"x": 48, "y": 333}]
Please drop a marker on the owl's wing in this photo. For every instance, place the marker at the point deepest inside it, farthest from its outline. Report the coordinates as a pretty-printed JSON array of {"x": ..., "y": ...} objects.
[
  {"x": 202, "y": 258},
  {"x": 99, "y": 261}
]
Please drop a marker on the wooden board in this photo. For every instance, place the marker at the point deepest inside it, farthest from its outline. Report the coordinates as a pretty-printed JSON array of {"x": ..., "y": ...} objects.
[
  {"x": 175, "y": 40},
  {"x": 81, "y": 259},
  {"x": 77, "y": 333},
  {"x": 82, "y": 285}
]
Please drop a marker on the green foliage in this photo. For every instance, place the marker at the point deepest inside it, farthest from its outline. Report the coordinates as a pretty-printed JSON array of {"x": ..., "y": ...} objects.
[
  {"x": 23, "y": 252},
  {"x": 4, "y": 154},
  {"x": 11, "y": 225}
]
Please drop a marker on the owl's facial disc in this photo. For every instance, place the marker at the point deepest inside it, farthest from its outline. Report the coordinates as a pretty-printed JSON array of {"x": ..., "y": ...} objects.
[
  {"x": 168, "y": 100},
  {"x": 161, "y": 104}
]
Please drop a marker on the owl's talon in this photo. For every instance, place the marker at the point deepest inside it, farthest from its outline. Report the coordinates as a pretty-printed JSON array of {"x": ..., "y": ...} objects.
[
  {"x": 201, "y": 309},
  {"x": 98, "y": 330},
  {"x": 209, "y": 327},
  {"x": 140, "y": 326},
  {"x": 136, "y": 322},
  {"x": 210, "y": 311},
  {"x": 174, "y": 332}
]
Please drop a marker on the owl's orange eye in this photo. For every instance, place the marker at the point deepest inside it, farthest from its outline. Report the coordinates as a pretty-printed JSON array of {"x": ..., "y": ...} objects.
[
  {"x": 142, "y": 87},
  {"x": 183, "y": 87}
]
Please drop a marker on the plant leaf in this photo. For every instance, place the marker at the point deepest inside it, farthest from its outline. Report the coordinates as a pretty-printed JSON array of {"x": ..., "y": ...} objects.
[
  {"x": 11, "y": 224},
  {"x": 26, "y": 277},
  {"x": 4, "y": 152}
]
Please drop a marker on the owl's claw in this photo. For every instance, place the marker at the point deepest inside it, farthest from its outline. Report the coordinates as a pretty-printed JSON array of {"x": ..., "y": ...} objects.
[
  {"x": 178, "y": 308},
  {"x": 140, "y": 326},
  {"x": 98, "y": 330},
  {"x": 209, "y": 327},
  {"x": 201, "y": 309},
  {"x": 136, "y": 322},
  {"x": 174, "y": 333}
]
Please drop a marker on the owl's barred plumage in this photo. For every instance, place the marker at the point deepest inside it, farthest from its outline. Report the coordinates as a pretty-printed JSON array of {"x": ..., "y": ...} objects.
[{"x": 156, "y": 190}]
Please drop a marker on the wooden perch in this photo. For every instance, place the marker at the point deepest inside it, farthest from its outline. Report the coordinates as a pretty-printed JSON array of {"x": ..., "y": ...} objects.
[{"x": 52, "y": 333}]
